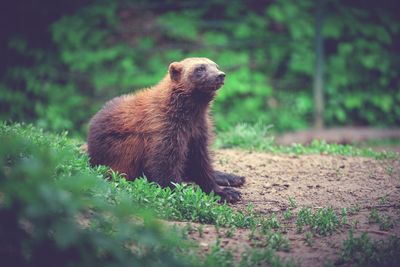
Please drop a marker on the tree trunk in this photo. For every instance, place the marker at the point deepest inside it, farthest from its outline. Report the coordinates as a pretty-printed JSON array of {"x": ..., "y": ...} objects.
[{"x": 319, "y": 68}]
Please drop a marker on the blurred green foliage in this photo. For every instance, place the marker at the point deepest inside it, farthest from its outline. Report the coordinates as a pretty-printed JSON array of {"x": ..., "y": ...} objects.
[
  {"x": 257, "y": 137},
  {"x": 184, "y": 203},
  {"x": 106, "y": 48},
  {"x": 55, "y": 210},
  {"x": 54, "y": 214}
]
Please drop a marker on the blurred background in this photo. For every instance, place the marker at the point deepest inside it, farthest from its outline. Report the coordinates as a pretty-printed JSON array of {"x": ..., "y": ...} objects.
[{"x": 296, "y": 65}]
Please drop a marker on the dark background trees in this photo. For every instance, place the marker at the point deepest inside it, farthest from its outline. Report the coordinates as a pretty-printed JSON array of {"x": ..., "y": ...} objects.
[{"x": 62, "y": 60}]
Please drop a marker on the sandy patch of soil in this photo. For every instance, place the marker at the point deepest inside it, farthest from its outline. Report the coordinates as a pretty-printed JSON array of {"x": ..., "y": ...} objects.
[{"x": 314, "y": 181}]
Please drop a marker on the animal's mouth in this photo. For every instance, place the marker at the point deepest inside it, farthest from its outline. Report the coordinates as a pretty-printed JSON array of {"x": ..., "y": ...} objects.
[
  {"x": 219, "y": 84},
  {"x": 212, "y": 85},
  {"x": 220, "y": 80}
]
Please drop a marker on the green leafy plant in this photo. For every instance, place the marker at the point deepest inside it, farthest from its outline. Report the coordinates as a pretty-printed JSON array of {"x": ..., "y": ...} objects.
[
  {"x": 323, "y": 221},
  {"x": 94, "y": 51},
  {"x": 65, "y": 220},
  {"x": 309, "y": 238},
  {"x": 292, "y": 202},
  {"x": 362, "y": 251},
  {"x": 287, "y": 215},
  {"x": 255, "y": 137},
  {"x": 278, "y": 241}
]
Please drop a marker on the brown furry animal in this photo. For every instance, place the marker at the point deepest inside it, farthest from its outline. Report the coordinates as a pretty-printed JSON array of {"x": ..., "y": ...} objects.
[{"x": 163, "y": 132}]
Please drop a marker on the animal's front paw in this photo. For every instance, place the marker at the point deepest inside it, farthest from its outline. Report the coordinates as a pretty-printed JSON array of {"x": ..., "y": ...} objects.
[
  {"x": 229, "y": 194},
  {"x": 228, "y": 179}
]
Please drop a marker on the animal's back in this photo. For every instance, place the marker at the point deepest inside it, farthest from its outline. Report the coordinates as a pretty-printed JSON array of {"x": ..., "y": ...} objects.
[{"x": 116, "y": 133}]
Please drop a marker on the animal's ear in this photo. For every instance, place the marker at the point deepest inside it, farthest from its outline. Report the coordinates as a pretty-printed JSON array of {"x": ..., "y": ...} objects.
[{"x": 175, "y": 71}]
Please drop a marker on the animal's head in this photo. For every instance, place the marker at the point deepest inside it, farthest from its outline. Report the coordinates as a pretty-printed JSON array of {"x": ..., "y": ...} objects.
[{"x": 199, "y": 74}]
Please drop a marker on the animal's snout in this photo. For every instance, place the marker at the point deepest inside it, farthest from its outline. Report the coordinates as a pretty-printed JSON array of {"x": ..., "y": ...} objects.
[{"x": 221, "y": 77}]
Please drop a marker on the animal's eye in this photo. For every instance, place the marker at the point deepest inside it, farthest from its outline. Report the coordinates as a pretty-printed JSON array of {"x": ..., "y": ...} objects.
[{"x": 201, "y": 68}]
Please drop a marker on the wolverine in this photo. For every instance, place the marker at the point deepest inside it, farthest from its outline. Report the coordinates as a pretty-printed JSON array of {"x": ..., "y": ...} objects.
[{"x": 164, "y": 132}]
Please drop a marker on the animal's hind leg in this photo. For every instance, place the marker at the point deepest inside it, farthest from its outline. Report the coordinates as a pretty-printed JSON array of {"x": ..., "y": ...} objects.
[{"x": 228, "y": 179}]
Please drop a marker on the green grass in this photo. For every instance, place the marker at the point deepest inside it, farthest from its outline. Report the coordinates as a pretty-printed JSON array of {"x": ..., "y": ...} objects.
[
  {"x": 323, "y": 221},
  {"x": 363, "y": 251},
  {"x": 184, "y": 203},
  {"x": 385, "y": 221},
  {"x": 292, "y": 202},
  {"x": 245, "y": 136},
  {"x": 288, "y": 215},
  {"x": 265, "y": 257},
  {"x": 55, "y": 210},
  {"x": 46, "y": 183},
  {"x": 378, "y": 142},
  {"x": 259, "y": 138}
]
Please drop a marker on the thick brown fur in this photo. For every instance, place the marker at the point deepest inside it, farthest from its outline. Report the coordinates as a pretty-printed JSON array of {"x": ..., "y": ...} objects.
[{"x": 163, "y": 132}]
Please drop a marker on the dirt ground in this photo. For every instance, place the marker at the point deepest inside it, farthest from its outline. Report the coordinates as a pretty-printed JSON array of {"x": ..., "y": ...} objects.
[{"x": 314, "y": 181}]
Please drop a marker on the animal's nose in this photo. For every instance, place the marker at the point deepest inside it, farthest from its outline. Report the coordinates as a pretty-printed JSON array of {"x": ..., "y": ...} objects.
[{"x": 221, "y": 75}]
